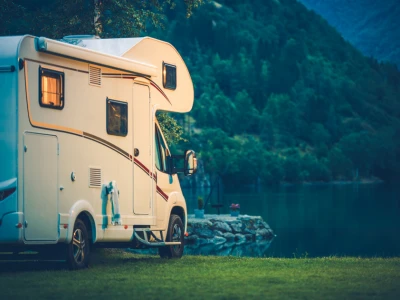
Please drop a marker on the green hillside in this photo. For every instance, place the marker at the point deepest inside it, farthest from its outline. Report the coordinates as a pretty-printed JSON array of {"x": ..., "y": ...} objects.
[{"x": 280, "y": 96}]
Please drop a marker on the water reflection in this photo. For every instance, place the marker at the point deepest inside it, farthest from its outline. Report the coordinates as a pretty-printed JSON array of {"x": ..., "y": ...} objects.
[
  {"x": 321, "y": 220},
  {"x": 254, "y": 249}
]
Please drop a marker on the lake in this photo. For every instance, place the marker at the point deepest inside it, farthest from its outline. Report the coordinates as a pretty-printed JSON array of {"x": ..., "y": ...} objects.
[{"x": 319, "y": 220}]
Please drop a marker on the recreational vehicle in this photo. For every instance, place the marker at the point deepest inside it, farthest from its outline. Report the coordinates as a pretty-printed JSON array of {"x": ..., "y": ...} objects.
[{"x": 83, "y": 160}]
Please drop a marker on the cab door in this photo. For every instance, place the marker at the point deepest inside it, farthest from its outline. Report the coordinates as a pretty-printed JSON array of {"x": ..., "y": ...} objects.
[{"x": 142, "y": 175}]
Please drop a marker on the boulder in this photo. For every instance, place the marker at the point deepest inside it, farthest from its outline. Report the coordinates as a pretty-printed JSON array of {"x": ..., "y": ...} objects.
[
  {"x": 236, "y": 226},
  {"x": 218, "y": 233},
  {"x": 262, "y": 234},
  {"x": 222, "y": 226},
  {"x": 218, "y": 240},
  {"x": 191, "y": 239},
  {"x": 229, "y": 236},
  {"x": 249, "y": 237},
  {"x": 240, "y": 238}
]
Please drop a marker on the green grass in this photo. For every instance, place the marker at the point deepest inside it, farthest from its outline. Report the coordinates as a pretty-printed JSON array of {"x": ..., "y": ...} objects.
[{"x": 116, "y": 274}]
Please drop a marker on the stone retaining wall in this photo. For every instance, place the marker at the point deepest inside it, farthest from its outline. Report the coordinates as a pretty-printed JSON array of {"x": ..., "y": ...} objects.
[{"x": 225, "y": 235}]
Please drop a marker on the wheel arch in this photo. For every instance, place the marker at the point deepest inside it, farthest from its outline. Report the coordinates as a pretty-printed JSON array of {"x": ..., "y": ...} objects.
[
  {"x": 87, "y": 218},
  {"x": 83, "y": 210},
  {"x": 181, "y": 212}
]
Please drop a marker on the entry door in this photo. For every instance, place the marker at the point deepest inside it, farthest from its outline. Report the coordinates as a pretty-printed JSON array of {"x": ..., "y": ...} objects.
[
  {"x": 41, "y": 187},
  {"x": 142, "y": 180}
]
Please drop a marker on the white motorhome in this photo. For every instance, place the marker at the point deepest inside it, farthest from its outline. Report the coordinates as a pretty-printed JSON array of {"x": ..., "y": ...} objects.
[{"x": 83, "y": 160}]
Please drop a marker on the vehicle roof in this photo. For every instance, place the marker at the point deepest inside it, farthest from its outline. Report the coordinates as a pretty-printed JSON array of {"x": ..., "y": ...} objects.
[{"x": 117, "y": 47}]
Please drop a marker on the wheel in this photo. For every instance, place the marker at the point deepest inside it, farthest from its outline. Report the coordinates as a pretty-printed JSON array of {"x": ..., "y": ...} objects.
[
  {"x": 175, "y": 233},
  {"x": 79, "y": 248}
]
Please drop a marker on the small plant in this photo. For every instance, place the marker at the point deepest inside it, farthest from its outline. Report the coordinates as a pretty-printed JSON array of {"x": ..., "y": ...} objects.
[
  {"x": 234, "y": 207},
  {"x": 200, "y": 202}
]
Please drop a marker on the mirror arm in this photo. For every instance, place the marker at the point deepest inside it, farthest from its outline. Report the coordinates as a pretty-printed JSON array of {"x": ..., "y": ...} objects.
[
  {"x": 171, "y": 164},
  {"x": 174, "y": 170},
  {"x": 177, "y": 170}
]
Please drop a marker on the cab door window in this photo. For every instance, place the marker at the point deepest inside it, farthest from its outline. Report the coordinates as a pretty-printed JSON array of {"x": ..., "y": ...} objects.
[{"x": 161, "y": 151}]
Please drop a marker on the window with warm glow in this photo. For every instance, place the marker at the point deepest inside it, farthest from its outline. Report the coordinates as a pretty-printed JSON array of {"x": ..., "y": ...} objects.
[
  {"x": 117, "y": 117},
  {"x": 169, "y": 76},
  {"x": 51, "y": 91}
]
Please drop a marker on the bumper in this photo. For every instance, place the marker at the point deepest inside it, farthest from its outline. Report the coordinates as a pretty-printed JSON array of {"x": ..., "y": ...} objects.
[{"x": 9, "y": 232}]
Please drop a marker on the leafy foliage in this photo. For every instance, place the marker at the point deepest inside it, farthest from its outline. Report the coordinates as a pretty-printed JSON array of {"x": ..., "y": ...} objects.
[
  {"x": 105, "y": 18},
  {"x": 172, "y": 131}
]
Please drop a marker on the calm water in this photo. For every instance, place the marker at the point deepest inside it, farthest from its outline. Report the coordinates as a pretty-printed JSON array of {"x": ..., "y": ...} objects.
[{"x": 321, "y": 220}]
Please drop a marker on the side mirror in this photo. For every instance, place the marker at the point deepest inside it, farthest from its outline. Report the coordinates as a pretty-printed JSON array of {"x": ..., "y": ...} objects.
[{"x": 190, "y": 164}]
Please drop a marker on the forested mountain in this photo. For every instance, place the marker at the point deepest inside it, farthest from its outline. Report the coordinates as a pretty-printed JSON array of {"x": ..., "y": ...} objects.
[
  {"x": 372, "y": 26},
  {"x": 281, "y": 96}
]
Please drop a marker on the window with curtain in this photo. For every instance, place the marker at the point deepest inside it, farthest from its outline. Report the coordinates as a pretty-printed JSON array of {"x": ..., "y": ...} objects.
[
  {"x": 117, "y": 117},
  {"x": 51, "y": 88}
]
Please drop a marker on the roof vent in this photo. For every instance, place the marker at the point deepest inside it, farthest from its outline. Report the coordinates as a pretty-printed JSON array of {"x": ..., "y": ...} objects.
[
  {"x": 94, "y": 177},
  {"x": 77, "y": 39},
  {"x": 94, "y": 76}
]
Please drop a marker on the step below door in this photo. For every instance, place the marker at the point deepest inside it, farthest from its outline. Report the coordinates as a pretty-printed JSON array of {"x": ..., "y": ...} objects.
[{"x": 41, "y": 187}]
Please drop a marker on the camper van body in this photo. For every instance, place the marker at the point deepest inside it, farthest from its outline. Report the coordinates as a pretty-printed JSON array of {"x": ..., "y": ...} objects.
[{"x": 80, "y": 143}]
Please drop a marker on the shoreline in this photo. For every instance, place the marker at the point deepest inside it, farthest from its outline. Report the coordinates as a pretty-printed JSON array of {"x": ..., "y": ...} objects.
[
  {"x": 363, "y": 181},
  {"x": 337, "y": 182}
]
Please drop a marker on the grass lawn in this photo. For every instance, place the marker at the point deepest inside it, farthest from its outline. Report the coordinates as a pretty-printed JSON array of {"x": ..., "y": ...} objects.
[{"x": 114, "y": 274}]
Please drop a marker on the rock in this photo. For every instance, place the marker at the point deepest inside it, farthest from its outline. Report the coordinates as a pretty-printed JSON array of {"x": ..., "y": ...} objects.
[
  {"x": 249, "y": 237},
  {"x": 230, "y": 244},
  {"x": 222, "y": 226},
  {"x": 244, "y": 218},
  {"x": 202, "y": 241},
  {"x": 240, "y": 238},
  {"x": 265, "y": 225},
  {"x": 205, "y": 233},
  {"x": 225, "y": 251},
  {"x": 218, "y": 233},
  {"x": 236, "y": 227},
  {"x": 250, "y": 231},
  {"x": 229, "y": 236},
  {"x": 218, "y": 240},
  {"x": 262, "y": 234},
  {"x": 191, "y": 239}
]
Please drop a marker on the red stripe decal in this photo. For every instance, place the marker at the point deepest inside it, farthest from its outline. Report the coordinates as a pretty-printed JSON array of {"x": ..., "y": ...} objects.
[
  {"x": 162, "y": 194},
  {"x": 142, "y": 166},
  {"x": 126, "y": 76},
  {"x": 153, "y": 176},
  {"x": 160, "y": 90},
  {"x": 122, "y": 76}
]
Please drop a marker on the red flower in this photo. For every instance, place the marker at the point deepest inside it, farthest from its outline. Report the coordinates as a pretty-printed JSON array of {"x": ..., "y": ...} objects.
[{"x": 234, "y": 206}]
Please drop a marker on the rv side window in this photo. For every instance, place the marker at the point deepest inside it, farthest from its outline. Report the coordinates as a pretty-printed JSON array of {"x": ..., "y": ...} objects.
[
  {"x": 169, "y": 76},
  {"x": 51, "y": 88},
  {"x": 117, "y": 117}
]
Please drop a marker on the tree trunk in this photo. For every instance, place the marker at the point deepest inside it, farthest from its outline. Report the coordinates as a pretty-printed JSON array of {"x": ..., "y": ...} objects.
[{"x": 98, "y": 26}]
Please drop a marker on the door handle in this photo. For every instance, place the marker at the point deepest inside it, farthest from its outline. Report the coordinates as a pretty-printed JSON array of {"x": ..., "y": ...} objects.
[{"x": 136, "y": 152}]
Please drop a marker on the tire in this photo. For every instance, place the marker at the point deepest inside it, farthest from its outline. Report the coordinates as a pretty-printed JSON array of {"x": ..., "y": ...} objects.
[
  {"x": 175, "y": 233},
  {"x": 78, "y": 249}
]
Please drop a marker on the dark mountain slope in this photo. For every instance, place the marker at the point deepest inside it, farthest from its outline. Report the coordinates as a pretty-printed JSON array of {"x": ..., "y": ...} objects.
[{"x": 372, "y": 26}]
